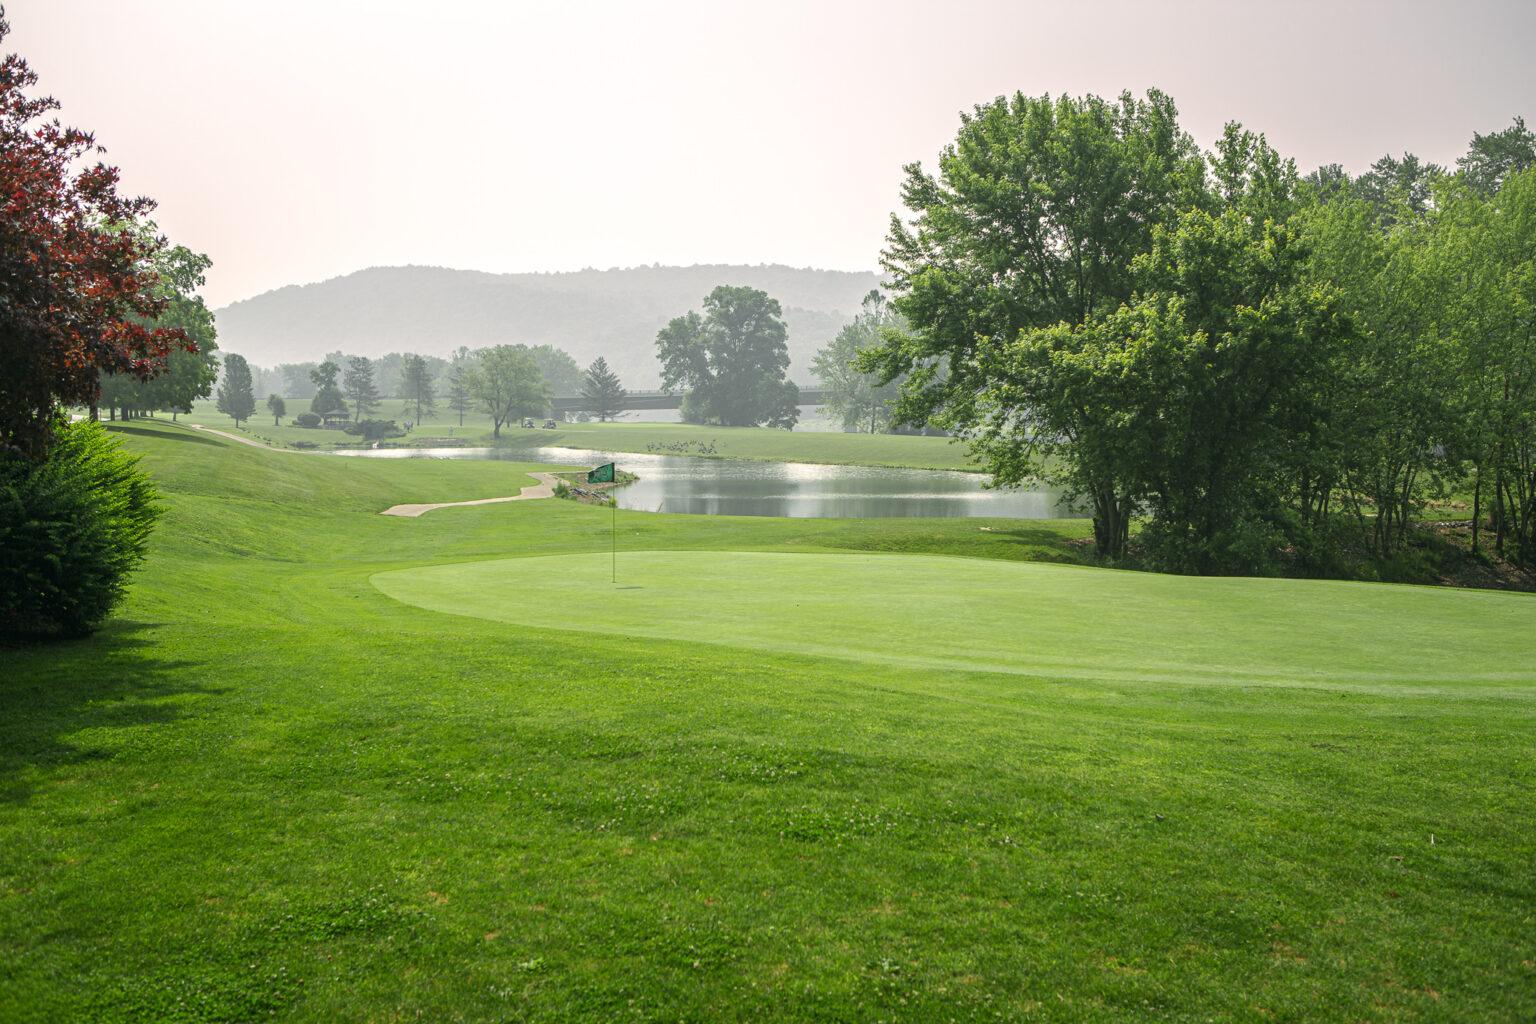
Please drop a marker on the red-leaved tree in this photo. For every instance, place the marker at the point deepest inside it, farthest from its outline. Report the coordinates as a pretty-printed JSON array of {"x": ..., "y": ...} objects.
[{"x": 77, "y": 295}]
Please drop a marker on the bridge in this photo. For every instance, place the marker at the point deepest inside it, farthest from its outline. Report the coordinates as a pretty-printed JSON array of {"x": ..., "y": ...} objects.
[{"x": 564, "y": 404}]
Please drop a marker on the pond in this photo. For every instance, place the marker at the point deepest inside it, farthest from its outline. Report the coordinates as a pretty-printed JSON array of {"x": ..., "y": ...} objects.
[{"x": 739, "y": 487}]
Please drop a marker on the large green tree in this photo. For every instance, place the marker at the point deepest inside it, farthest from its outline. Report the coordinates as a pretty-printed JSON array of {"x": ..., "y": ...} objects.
[
  {"x": 507, "y": 383},
  {"x": 731, "y": 361},
  {"x": 1225, "y": 346},
  {"x": 1031, "y": 222},
  {"x": 857, "y": 396}
]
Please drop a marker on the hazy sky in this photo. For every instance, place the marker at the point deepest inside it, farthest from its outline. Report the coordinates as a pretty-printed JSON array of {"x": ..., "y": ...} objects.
[{"x": 295, "y": 140}]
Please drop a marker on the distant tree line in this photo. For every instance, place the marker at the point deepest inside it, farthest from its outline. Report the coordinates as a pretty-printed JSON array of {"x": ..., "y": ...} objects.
[
  {"x": 508, "y": 383},
  {"x": 1271, "y": 373}
]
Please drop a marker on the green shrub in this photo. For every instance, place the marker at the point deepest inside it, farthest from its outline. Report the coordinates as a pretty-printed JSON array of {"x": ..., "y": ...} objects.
[
  {"x": 72, "y": 528},
  {"x": 374, "y": 430},
  {"x": 307, "y": 419}
]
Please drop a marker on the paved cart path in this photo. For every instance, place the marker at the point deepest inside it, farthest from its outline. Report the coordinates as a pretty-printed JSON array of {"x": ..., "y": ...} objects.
[{"x": 545, "y": 488}]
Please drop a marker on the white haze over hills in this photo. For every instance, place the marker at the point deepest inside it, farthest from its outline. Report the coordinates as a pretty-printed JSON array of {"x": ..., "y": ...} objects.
[{"x": 589, "y": 313}]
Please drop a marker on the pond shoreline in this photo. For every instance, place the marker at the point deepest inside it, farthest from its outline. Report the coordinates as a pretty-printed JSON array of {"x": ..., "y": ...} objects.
[{"x": 717, "y": 485}]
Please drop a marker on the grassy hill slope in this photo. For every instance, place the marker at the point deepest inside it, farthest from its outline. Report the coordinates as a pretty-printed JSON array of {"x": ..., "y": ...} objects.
[{"x": 269, "y": 790}]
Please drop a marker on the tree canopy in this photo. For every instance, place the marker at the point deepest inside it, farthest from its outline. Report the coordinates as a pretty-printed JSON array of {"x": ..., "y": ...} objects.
[
  {"x": 1032, "y": 221},
  {"x": 327, "y": 396},
  {"x": 507, "y": 383},
  {"x": 731, "y": 361},
  {"x": 187, "y": 374},
  {"x": 1274, "y": 373},
  {"x": 855, "y": 395},
  {"x": 78, "y": 278}
]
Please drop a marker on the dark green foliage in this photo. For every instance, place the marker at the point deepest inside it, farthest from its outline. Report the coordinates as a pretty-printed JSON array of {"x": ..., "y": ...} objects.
[
  {"x": 374, "y": 430},
  {"x": 73, "y": 526},
  {"x": 1241, "y": 358},
  {"x": 1493, "y": 157},
  {"x": 307, "y": 419},
  {"x": 1398, "y": 188},
  {"x": 1081, "y": 184},
  {"x": 278, "y": 408}
]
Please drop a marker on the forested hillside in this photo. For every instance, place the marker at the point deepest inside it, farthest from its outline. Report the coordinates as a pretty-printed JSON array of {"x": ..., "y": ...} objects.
[{"x": 589, "y": 313}]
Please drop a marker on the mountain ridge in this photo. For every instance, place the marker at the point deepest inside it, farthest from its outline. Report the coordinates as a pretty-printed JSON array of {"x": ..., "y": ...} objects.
[{"x": 614, "y": 313}]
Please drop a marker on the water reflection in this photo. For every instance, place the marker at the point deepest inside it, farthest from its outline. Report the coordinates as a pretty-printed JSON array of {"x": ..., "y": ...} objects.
[{"x": 670, "y": 483}]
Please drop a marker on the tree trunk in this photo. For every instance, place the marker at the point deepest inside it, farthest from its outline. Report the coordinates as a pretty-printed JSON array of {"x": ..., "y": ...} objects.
[
  {"x": 1498, "y": 511},
  {"x": 1111, "y": 526},
  {"x": 1477, "y": 503}
]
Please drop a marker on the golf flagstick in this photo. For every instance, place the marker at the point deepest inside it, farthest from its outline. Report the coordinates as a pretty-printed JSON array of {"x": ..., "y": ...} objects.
[{"x": 608, "y": 474}]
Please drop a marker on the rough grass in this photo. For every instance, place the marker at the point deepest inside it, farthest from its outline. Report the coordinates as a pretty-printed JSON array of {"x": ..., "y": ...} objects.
[{"x": 270, "y": 791}]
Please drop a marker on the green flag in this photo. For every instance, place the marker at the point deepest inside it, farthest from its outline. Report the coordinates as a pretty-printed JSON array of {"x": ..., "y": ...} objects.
[{"x": 601, "y": 475}]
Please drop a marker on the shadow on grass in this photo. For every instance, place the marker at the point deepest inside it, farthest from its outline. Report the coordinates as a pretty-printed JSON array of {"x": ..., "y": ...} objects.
[
  {"x": 52, "y": 690},
  {"x": 164, "y": 435},
  {"x": 1052, "y": 541}
]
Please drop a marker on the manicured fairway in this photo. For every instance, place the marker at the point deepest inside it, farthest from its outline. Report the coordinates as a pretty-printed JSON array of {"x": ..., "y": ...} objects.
[
  {"x": 967, "y": 614},
  {"x": 826, "y": 447},
  {"x": 781, "y": 781}
]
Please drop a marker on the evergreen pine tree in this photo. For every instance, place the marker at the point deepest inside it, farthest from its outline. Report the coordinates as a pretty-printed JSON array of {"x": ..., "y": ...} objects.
[
  {"x": 360, "y": 388},
  {"x": 236, "y": 398},
  {"x": 416, "y": 385},
  {"x": 602, "y": 391}
]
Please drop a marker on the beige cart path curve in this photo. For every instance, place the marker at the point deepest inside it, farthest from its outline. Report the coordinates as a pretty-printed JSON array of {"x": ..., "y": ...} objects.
[
  {"x": 545, "y": 488},
  {"x": 242, "y": 440}
]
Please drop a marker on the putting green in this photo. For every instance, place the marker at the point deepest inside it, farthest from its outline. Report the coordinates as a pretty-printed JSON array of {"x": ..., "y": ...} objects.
[{"x": 972, "y": 614}]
